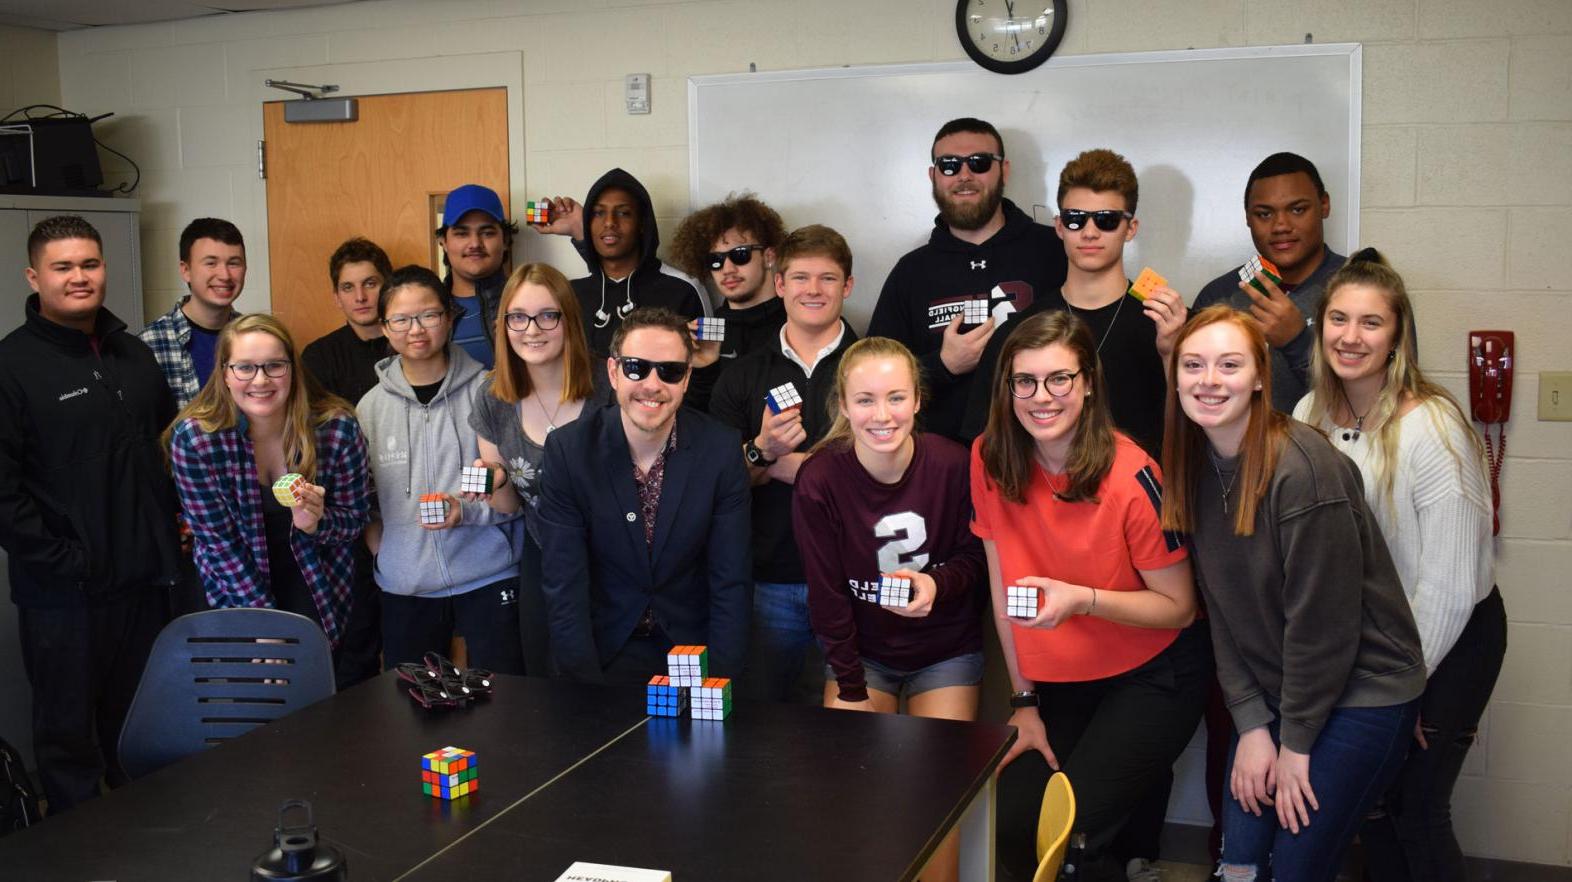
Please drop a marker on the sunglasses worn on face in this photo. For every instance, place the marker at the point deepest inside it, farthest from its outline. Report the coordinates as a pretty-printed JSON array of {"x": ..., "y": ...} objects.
[
  {"x": 1107, "y": 220},
  {"x": 669, "y": 372},
  {"x": 739, "y": 256},
  {"x": 979, "y": 163}
]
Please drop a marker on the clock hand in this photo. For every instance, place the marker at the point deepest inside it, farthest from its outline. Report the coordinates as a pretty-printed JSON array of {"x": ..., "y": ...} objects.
[{"x": 1009, "y": 9}]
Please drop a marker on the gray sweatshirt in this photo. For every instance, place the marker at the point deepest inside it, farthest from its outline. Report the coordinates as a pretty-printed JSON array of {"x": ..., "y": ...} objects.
[
  {"x": 1308, "y": 613},
  {"x": 418, "y": 449}
]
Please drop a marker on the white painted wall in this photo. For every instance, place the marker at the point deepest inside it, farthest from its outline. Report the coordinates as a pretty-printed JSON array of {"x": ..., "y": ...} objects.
[{"x": 1467, "y": 185}]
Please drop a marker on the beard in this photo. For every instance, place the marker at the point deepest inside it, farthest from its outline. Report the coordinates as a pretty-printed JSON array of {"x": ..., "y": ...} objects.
[{"x": 972, "y": 215}]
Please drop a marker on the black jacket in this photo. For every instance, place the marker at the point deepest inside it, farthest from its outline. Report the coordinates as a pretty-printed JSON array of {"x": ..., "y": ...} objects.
[
  {"x": 489, "y": 292},
  {"x": 1021, "y": 265},
  {"x": 87, "y": 508}
]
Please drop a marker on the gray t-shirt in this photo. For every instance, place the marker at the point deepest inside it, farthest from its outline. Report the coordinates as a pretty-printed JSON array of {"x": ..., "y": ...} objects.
[{"x": 498, "y": 422}]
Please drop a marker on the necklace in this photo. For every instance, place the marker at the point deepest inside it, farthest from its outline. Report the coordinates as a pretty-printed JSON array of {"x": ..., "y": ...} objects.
[
  {"x": 1228, "y": 487},
  {"x": 551, "y": 416},
  {"x": 1359, "y": 418},
  {"x": 1106, "y": 331}
]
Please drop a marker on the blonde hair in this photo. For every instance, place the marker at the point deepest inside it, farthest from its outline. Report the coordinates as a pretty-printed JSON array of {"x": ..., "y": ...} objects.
[
  {"x": 1404, "y": 380},
  {"x": 307, "y": 406},
  {"x": 510, "y": 381},
  {"x": 839, "y": 435}
]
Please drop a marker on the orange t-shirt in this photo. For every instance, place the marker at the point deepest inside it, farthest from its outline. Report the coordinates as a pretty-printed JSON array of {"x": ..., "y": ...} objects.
[{"x": 1100, "y": 544}]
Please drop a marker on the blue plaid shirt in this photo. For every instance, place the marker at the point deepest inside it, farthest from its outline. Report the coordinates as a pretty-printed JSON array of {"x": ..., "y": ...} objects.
[
  {"x": 169, "y": 336},
  {"x": 216, "y": 474}
]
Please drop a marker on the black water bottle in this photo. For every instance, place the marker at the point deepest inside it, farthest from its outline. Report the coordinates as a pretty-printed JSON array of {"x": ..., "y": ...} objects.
[
  {"x": 1070, "y": 870},
  {"x": 296, "y": 855}
]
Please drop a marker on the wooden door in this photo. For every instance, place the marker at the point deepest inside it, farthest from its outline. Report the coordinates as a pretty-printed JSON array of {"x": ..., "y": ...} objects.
[{"x": 383, "y": 177}]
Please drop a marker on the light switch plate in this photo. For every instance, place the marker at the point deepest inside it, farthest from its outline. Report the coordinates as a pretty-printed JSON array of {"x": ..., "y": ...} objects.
[{"x": 1555, "y": 395}]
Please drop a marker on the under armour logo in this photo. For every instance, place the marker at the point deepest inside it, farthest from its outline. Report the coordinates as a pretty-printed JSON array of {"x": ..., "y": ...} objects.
[
  {"x": 979, "y": 264},
  {"x": 507, "y": 596}
]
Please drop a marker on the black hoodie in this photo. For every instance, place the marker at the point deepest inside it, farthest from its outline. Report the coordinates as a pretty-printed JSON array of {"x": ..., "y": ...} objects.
[
  {"x": 87, "y": 509},
  {"x": 1018, "y": 266}
]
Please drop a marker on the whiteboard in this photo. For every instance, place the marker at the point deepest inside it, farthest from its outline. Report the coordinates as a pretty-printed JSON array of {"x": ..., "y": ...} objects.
[{"x": 848, "y": 147}]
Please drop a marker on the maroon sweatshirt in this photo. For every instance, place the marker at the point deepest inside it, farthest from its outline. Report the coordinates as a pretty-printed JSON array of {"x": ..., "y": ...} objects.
[{"x": 851, "y": 528}]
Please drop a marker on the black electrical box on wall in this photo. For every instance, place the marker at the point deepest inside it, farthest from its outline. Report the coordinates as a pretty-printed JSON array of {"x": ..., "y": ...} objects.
[{"x": 50, "y": 157}]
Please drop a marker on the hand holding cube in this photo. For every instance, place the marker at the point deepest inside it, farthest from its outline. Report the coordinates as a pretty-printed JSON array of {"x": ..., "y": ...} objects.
[
  {"x": 908, "y": 593},
  {"x": 439, "y": 511}
]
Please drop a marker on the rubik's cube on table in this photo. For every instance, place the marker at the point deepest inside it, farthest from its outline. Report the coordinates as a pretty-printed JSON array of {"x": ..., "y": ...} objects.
[
  {"x": 783, "y": 397},
  {"x": 1259, "y": 264},
  {"x": 711, "y": 329},
  {"x": 974, "y": 312},
  {"x": 537, "y": 212},
  {"x": 688, "y": 665},
  {"x": 287, "y": 489},
  {"x": 449, "y": 773},
  {"x": 1147, "y": 282},
  {"x": 475, "y": 479},
  {"x": 712, "y": 700},
  {"x": 1020, "y": 602},
  {"x": 433, "y": 508},
  {"x": 662, "y": 699},
  {"x": 895, "y": 591}
]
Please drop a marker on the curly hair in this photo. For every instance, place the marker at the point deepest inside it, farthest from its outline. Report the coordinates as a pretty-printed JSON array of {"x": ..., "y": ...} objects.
[{"x": 744, "y": 212}]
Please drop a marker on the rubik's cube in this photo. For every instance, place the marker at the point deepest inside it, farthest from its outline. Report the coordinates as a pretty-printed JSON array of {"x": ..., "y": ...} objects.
[
  {"x": 895, "y": 591},
  {"x": 433, "y": 508},
  {"x": 1020, "y": 602},
  {"x": 1147, "y": 282},
  {"x": 1259, "y": 264},
  {"x": 783, "y": 397},
  {"x": 688, "y": 665},
  {"x": 662, "y": 699},
  {"x": 712, "y": 699},
  {"x": 974, "y": 312},
  {"x": 537, "y": 212},
  {"x": 287, "y": 489},
  {"x": 449, "y": 773},
  {"x": 475, "y": 479},
  {"x": 711, "y": 329}
]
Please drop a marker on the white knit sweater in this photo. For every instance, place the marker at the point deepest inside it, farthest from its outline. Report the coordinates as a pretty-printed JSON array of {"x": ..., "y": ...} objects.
[{"x": 1437, "y": 522}]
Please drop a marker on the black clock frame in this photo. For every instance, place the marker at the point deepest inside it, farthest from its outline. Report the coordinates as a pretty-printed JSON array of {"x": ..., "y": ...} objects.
[{"x": 1046, "y": 51}]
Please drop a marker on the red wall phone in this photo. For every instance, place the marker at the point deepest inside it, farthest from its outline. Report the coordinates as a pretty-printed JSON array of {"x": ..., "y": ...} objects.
[{"x": 1490, "y": 357}]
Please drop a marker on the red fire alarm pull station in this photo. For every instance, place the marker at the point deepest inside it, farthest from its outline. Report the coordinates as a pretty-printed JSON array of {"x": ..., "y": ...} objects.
[{"x": 1490, "y": 357}]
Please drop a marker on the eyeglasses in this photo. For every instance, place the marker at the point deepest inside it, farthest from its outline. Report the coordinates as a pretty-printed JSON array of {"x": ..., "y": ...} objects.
[
  {"x": 1107, "y": 220},
  {"x": 669, "y": 372},
  {"x": 739, "y": 256},
  {"x": 429, "y": 319},
  {"x": 247, "y": 370},
  {"x": 950, "y": 165},
  {"x": 546, "y": 320},
  {"x": 1057, "y": 384}
]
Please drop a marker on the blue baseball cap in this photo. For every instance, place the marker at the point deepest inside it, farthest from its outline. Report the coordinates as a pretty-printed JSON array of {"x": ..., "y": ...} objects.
[{"x": 472, "y": 197}]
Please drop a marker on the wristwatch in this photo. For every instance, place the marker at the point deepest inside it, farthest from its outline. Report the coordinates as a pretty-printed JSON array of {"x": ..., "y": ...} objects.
[
  {"x": 754, "y": 455},
  {"x": 1024, "y": 699}
]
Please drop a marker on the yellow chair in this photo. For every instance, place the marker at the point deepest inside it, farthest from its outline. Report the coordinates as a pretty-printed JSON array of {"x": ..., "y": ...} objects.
[{"x": 1053, "y": 827}]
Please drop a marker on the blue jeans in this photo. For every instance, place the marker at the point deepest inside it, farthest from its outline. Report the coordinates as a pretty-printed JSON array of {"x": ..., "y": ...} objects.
[
  {"x": 781, "y": 639},
  {"x": 1356, "y": 755}
]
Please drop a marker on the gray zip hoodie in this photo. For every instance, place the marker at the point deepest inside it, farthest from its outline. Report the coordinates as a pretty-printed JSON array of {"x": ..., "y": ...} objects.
[{"x": 418, "y": 449}]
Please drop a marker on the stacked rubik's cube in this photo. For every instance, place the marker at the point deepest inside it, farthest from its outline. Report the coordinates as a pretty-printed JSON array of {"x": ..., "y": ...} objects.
[
  {"x": 783, "y": 397},
  {"x": 1020, "y": 602},
  {"x": 475, "y": 479},
  {"x": 687, "y": 685},
  {"x": 895, "y": 591},
  {"x": 974, "y": 312},
  {"x": 711, "y": 329},
  {"x": 449, "y": 773},
  {"x": 537, "y": 212},
  {"x": 433, "y": 508},
  {"x": 1259, "y": 264},
  {"x": 287, "y": 489}
]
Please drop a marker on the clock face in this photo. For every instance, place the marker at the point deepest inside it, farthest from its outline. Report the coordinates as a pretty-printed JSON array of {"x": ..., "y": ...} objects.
[{"x": 1010, "y": 36}]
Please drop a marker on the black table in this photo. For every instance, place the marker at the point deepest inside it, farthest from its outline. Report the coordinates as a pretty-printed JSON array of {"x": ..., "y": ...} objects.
[{"x": 566, "y": 773}]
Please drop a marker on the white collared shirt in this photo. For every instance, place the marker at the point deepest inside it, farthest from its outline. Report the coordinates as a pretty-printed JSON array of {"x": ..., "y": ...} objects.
[{"x": 807, "y": 369}]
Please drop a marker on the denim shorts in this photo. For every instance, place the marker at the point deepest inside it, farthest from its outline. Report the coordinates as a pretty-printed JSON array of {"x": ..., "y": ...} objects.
[{"x": 962, "y": 670}]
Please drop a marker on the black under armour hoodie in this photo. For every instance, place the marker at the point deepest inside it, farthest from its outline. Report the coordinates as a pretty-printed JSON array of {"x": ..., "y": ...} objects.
[{"x": 1018, "y": 266}]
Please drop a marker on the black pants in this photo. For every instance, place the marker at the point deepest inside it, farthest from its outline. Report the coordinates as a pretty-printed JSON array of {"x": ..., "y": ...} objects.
[
  {"x": 639, "y": 659},
  {"x": 1117, "y": 740},
  {"x": 533, "y": 633},
  {"x": 1409, "y": 836},
  {"x": 484, "y": 617},
  {"x": 359, "y": 648},
  {"x": 84, "y": 664}
]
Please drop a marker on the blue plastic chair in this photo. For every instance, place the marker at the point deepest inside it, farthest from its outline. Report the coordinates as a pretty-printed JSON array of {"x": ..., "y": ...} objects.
[{"x": 218, "y": 674}]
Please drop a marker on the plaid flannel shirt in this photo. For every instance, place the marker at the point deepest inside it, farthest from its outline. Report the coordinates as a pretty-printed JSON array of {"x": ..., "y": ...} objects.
[
  {"x": 216, "y": 475},
  {"x": 169, "y": 336}
]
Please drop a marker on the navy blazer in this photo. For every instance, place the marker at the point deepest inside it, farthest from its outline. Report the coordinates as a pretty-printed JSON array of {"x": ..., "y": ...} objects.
[{"x": 598, "y": 574}]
